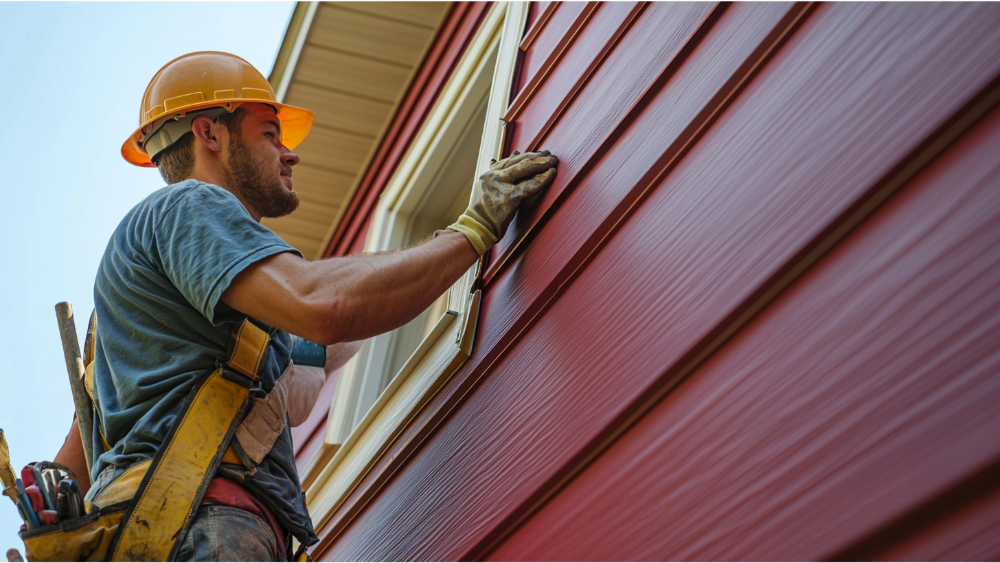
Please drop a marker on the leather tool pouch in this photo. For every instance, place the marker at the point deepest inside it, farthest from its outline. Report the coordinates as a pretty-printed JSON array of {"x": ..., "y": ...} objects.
[{"x": 144, "y": 513}]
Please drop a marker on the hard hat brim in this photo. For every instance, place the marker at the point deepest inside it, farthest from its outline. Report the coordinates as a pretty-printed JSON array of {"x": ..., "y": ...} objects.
[{"x": 295, "y": 126}]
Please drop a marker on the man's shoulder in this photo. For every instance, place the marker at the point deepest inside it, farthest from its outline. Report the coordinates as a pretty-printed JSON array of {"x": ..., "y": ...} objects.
[
  {"x": 179, "y": 203},
  {"x": 164, "y": 199},
  {"x": 183, "y": 202}
]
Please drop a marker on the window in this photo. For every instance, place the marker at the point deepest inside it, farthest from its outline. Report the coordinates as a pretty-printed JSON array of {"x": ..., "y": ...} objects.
[
  {"x": 395, "y": 374},
  {"x": 435, "y": 195}
]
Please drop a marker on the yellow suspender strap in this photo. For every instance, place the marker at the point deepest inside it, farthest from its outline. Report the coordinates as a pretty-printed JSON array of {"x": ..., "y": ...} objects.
[
  {"x": 88, "y": 380},
  {"x": 171, "y": 489}
]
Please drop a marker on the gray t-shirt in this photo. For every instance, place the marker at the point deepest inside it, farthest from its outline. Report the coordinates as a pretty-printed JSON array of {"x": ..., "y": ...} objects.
[{"x": 160, "y": 321}]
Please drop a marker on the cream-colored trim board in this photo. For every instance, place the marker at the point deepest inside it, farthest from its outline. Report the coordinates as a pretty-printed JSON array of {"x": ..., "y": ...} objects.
[
  {"x": 493, "y": 132},
  {"x": 417, "y": 381},
  {"x": 381, "y": 361},
  {"x": 422, "y": 155},
  {"x": 292, "y": 32},
  {"x": 344, "y": 406},
  {"x": 288, "y": 67},
  {"x": 445, "y": 350},
  {"x": 412, "y": 179}
]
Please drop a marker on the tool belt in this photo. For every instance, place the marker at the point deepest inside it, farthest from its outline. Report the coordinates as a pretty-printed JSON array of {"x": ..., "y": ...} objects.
[{"x": 145, "y": 512}]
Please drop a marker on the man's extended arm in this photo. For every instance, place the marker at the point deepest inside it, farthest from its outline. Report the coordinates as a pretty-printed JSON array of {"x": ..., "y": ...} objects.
[
  {"x": 353, "y": 297},
  {"x": 356, "y": 297}
]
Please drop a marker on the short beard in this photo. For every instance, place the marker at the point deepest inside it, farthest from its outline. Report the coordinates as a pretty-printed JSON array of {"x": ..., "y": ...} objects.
[{"x": 269, "y": 198}]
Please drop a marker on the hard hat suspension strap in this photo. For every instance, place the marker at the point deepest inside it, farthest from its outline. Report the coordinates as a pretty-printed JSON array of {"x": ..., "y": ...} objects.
[{"x": 170, "y": 130}]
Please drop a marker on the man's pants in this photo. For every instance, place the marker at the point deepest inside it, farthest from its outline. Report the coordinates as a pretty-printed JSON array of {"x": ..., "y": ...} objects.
[{"x": 224, "y": 533}]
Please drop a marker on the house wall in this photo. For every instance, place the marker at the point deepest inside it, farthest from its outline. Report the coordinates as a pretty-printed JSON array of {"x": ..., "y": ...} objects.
[
  {"x": 458, "y": 27},
  {"x": 755, "y": 317}
]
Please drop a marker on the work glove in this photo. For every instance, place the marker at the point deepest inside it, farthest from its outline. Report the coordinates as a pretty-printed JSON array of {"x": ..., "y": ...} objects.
[{"x": 499, "y": 192}]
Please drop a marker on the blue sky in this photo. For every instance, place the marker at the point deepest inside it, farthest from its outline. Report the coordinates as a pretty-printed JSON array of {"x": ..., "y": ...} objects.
[{"x": 71, "y": 78}]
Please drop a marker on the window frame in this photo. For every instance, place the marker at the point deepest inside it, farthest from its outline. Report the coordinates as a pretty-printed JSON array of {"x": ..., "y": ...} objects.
[{"x": 352, "y": 442}]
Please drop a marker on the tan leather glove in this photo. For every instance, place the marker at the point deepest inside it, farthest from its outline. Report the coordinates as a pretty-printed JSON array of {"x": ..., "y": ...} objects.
[{"x": 499, "y": 192}]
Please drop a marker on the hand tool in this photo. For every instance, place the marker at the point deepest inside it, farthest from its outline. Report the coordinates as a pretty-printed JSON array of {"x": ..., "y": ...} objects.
[
  {"x": 34, "y": 495},
  {"x": 42, "y": 487},
  {"x": 46, "y": 517},
  {"x": 28, "y": 475},
  {"x": 52, "y": 476},
  {"x": 74, "y": 498},
  {"x": 305, "y": 353},
  {"x": 7, "y": 476},
  {"x": 75, "y": 369},
  {"x": 25, "y": 504},
  {"x": 62, "y": 507}
]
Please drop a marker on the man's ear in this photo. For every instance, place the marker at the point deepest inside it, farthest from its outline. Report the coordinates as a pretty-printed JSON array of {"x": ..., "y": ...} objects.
[{"x": 208, "y": 133}]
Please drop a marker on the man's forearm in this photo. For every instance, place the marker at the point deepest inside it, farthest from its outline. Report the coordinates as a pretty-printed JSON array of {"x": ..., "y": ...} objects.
[
  {"x": 351, "y": 297},
  {"x": 383, "y": 291}
]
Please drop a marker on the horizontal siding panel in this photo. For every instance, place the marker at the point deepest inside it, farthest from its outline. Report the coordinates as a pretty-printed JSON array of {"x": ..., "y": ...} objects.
[
  {"x": 657, "y": 135},
  {"x": 538, "y": 14},
  {"x": 549, "y": 37},
  {"x": 865, "y": 390},
  {"x": 351, "y": 74},
  {"x": 368, "y": 35},
  {"x": 968, "y": 534},
  {"x": 578, "y": 61},
  {"x": 644, "y": 53},
  {"x": 800, "y": 147},
  {"x": 345, "y": 112}
]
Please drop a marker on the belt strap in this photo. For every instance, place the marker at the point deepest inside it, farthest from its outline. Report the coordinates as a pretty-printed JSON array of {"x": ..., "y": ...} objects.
[{"x": 172, "y": 488}]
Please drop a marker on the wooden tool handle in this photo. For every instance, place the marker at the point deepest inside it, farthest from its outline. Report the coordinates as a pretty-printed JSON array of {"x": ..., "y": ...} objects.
[{"x": 75, "y": 369}]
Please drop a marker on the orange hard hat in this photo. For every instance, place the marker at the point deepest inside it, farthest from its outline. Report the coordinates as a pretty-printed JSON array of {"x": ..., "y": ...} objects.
[{"x": 206, "y": 80}]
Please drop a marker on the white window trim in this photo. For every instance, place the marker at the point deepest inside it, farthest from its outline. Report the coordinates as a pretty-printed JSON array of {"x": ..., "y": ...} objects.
[{"x": 348, "y": 453}]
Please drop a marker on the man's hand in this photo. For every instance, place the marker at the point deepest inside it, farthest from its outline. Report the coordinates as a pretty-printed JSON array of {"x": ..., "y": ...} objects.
[{"x": 500, "y": 191}]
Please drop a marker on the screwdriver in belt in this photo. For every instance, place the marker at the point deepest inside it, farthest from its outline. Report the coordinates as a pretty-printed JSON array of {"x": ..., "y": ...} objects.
[{"x": 24, "y": 503}]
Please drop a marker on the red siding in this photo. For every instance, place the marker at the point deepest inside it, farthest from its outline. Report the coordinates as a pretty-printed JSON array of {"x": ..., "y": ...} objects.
[
  {"x": 543, "y": 42},
  {"x": 866, "y": 390},
  {"x": 709, "y": 157},
  {"x": 969, "y": 533},
  {"x": 601, "y": 33}
]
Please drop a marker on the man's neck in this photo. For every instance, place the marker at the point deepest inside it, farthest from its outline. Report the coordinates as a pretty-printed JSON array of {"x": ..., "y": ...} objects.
[{"x": 216, "y": 177}]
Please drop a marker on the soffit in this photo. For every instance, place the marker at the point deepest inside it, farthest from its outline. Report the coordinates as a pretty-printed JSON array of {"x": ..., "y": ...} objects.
[{"x": 349, "y": 63}]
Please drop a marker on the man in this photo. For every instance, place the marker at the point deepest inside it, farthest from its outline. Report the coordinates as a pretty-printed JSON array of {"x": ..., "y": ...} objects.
[{"x": 191, "y": 262}]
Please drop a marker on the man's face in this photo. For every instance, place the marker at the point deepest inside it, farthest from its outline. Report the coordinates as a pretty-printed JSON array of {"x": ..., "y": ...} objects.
[{"x": 258, "y": 166}]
